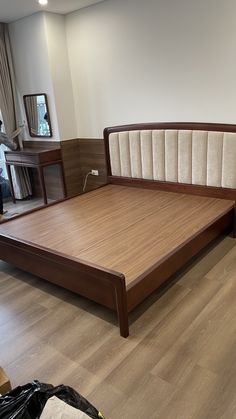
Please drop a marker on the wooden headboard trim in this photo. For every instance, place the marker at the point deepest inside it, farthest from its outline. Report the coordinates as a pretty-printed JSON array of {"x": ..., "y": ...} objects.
[{"x": 214, "y": 192}]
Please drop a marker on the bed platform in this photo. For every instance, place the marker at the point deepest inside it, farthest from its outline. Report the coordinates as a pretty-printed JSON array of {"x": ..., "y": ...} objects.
[{"x": 117, "y": 244}]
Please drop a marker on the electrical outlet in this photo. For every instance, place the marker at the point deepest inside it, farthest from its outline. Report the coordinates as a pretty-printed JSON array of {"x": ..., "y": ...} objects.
[{"x": 95, "y": 172}]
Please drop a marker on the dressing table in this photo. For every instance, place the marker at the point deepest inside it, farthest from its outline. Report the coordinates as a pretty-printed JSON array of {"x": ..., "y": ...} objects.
[{"x": 37, "y": 159}]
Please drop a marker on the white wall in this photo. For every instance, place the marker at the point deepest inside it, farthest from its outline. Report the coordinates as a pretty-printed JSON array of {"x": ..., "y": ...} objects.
[
  {"x": 130, "y": 61},
  {"x": 153, "y": 60},
  {"x": 60, "y": 74},
  {"x": 31, "y": 62},
  {"x": 41, "y": 64}
]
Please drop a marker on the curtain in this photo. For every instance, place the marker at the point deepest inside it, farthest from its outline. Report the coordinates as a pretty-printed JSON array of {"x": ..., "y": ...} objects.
[
  {"x": 8, "y": 106},
  {"x": 32, "y": 111}
]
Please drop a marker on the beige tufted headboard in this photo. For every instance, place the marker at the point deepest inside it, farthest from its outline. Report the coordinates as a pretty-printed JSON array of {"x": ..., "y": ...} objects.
[
  {"x": 195, "y": 157},
  {"x": 183, "y": 153}
]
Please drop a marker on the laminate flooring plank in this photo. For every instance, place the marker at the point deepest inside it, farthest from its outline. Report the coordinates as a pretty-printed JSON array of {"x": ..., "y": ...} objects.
[
  {"x": 223, "y": 360},
  {"x": 112, "y": 352},
  {"x": 144, "y": 401},
  {"x": 152, "y": 348},
  {"x": 224, "y": 267},
  {"x": 109, "y": 398},
  {"x": 211, "y": 328},
  {"x": 178, "y": 363},
  {"x": 186, "y": 400},
  {"x": 221, "y": 403},
  {"x": 206, "y": 261}
]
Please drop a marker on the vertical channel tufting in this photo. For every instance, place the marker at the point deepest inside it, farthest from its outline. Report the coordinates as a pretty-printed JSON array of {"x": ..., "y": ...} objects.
[
  {"x": 135, "y": 154},
  {"x": 114, "y": 150},
  {"x": 199, "y": 157},
  {"x": 171, "y": 155},
  {"x": 185, "y": 156},
  {"x": 124, "y": 154},
  {"x": 146, "y": 154},
  {"x": 228, "y": 161},
  {"x": 214, "y": 158},
  {"x": 158, "y": 150}
]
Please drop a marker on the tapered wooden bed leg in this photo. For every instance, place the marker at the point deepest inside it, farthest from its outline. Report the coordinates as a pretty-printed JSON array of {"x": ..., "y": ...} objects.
[
  {"x": 121, "y": 308},
  {"x": 123, "y": 320},
  {"x": 234, "y": 228}
]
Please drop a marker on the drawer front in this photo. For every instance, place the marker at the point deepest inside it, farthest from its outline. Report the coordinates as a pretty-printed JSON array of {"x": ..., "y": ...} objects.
[
  {"x": 11, "y": 157},
  {"x": 50, "y": 156},
  {"x": 33, "y": 158},
  {"x": 21, "y": 158},
  {"x": 29, "y": 159}
]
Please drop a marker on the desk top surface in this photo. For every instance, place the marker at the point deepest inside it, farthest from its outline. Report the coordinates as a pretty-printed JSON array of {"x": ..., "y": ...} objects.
[
  {"x": 31, "y": 151},
  {"x": 30, "y": 156}
]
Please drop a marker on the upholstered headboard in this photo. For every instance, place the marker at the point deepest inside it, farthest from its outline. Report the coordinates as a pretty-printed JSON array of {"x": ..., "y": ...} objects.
[{"x": 183, "y": 153}]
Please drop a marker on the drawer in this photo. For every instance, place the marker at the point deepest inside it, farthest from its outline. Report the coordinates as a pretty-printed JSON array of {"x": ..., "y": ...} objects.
[
  {"x": 12, "y": 157},
  {"x": 34, "y": 158},
  {"x": 50, "y": 156},
  {"x": 22, "y": 158},
  {"x": 30, "y": 159}
]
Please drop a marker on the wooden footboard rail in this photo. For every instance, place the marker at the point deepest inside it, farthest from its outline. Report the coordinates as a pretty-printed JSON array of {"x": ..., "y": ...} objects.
[
  {"x": 150, "y": 280},
  {"x": 103, "y": 286}
]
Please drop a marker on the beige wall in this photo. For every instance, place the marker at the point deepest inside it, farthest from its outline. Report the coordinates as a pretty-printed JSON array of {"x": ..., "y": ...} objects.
[
  {"x": 31, "y": 62},
  {"x": 60, "y": 73},
  {"x": 130, "y": 61},
  {"x": 41, "y": 65},
  {"x": 152, "y": 60}
]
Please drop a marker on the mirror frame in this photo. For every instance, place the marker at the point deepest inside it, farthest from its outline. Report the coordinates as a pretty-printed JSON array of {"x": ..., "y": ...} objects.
[{"x": 31, "y": 133}]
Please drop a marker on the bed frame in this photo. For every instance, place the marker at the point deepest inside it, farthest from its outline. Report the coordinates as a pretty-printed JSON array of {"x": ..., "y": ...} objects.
[{"x": 212, "y": 175}]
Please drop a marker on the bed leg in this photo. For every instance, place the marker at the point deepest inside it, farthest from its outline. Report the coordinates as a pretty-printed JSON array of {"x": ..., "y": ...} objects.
[
  {"x": 122, "y": 312},
  {"x": 234, "y": 226},
  {"x": 123, "y": 323}
]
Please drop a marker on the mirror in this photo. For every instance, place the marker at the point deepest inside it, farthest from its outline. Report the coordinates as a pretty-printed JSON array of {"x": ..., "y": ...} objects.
[{"x": 37, "y": 114}]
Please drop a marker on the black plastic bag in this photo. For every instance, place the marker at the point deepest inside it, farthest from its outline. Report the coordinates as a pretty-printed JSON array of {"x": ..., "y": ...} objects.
[{"x": 28, "y": 401}]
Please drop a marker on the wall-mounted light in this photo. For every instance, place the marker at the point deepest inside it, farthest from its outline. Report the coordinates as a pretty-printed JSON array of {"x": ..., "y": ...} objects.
[{"x": 43, "y": 2}]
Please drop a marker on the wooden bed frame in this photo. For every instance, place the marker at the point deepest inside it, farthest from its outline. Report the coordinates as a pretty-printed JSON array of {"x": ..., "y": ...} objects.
[{"x": 106, "y": 286}]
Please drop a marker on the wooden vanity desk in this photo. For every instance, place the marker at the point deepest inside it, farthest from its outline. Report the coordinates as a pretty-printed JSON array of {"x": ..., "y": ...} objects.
[{"x": 37, "y": 159}]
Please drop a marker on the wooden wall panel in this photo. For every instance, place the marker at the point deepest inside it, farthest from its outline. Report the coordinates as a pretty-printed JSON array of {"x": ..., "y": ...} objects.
[
  {"x": 92, "y": 156},
  {"x": 72, "y": 166},
  {"x": 80, "y": 156},
  {"x": 41, "y": 144}
]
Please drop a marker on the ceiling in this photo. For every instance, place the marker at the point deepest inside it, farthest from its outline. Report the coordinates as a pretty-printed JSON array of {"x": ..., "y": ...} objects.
[{"x": 11, "y": 10}]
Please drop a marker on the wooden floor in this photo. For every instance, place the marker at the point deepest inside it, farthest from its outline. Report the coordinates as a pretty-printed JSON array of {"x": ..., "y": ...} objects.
[
  {"x": 178, "y": 363},
  {"x": 11, "y": 210}
]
